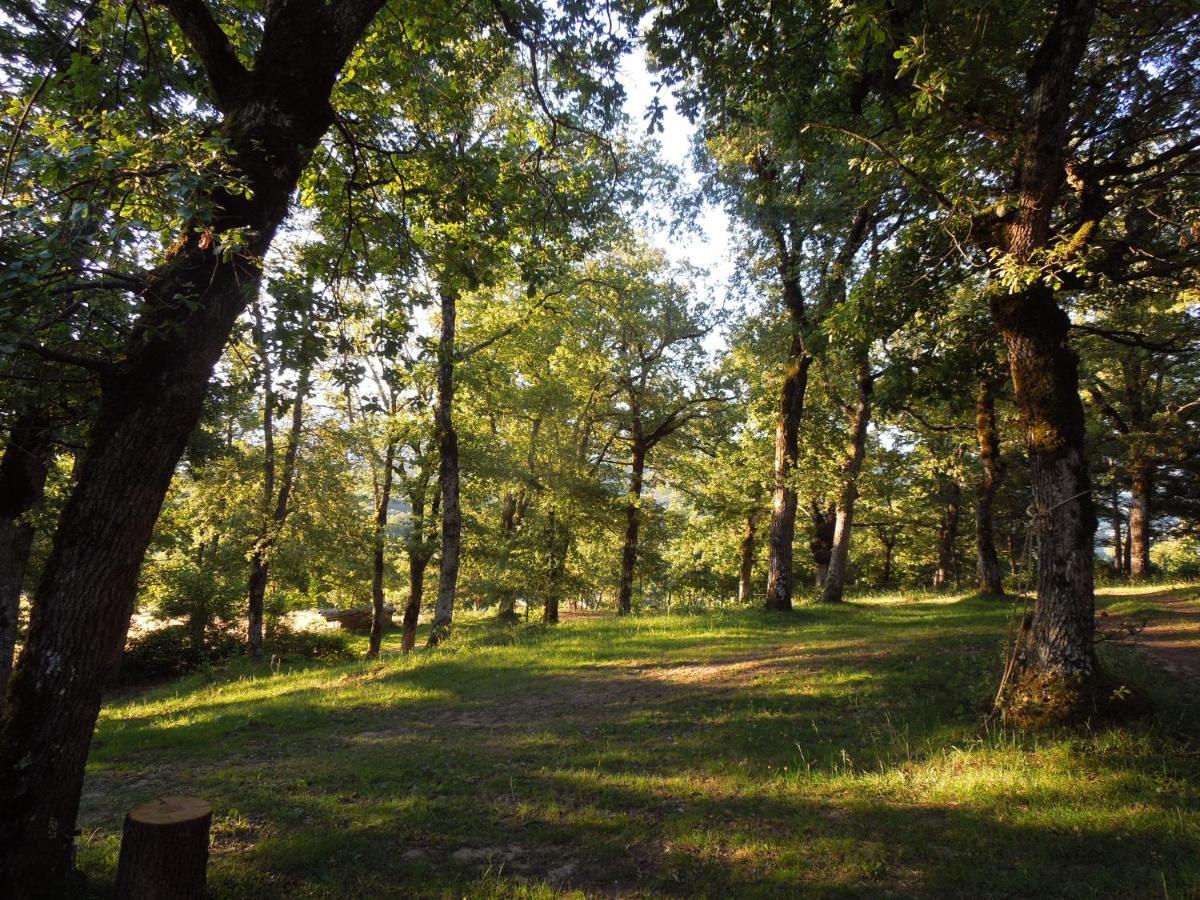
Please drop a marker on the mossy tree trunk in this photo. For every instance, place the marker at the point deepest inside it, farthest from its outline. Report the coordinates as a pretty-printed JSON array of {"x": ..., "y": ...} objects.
[{"x": 1057, "y": 674}]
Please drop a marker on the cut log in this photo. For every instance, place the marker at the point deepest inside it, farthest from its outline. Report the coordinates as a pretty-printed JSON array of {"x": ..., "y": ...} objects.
[{"x": 164, "y": 850}]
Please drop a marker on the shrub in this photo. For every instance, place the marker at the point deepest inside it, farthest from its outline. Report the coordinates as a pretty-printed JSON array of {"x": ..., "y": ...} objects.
[
  {"x": 324, "y": 646},
  {"x": 170, "y": 651}
]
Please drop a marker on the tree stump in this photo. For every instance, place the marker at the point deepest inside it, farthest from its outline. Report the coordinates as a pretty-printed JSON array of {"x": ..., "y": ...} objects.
[{"x": 164, "y": 850}]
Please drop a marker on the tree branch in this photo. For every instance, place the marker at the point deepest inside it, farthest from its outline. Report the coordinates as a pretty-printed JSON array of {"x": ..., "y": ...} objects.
[{"x": 225, "y": 71}]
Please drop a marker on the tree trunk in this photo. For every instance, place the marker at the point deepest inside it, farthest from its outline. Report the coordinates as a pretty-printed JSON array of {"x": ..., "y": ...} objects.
[
  {"x": 633, "y": 521},
  {"x": 507, "y": 607},
  {"x": 1118, "y": 561},
  {"x": 839, "y": 560},
  {"x": 259, "y": 571},
  {"x": 746, "y": 554},
  {"x": 889, "y": 547},
  {"x": 275, "y": 506},
  {"x": 443, "y": 613},
  {"x": 987, "y": 561},
  {"x": 1058, "y": 647},
  {"x": 821, "y": 545},
  {"x": 379, "y": 540},
  {"x": 1014, "y": 559},
  {"x": 420, "y": 548},
  {"x": 23, "y": 471},
  {"x": 412, "y": 610},
  {"x": 781, "y": 535},
  {"x": 150, "y": 403},
  {"x": 164, "y": 850},
  {"x": 946, "y": 574},
  {"x": 1142, "y": 485},
  {"x": 1056, "y": 675},
  {"x": 560, "y": 541}
]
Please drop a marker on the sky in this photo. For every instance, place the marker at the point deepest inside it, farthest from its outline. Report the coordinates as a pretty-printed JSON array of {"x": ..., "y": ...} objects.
[{"x": 711, "y": 248}]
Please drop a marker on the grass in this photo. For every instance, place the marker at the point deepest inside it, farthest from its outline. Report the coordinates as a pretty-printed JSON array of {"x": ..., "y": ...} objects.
[{"x": 835, "y": 752}]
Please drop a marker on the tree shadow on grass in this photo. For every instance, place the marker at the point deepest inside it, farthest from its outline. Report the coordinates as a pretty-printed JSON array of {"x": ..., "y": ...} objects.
[{"x": 655, "y": 769}]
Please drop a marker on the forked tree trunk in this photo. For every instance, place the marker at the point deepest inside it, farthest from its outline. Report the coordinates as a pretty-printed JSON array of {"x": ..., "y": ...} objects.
[
  {"x": 821, "y": 545},
  {"x": 150, "y": 403},
  {"x": 1142, "y": 485},
  {"x": 889, "y": 548},
  {"x": 378, "y": 555},
  {"x": 781, "y": 535},
  {"x": 987, "y": 561},
  {"x": 746, "y": 555},
  {"x": 443, "y": 612},
  {"x": 946, "y": 574},
  {"x": 633, "y": 521},
  {"x": 23, "y": 471},
  {"x": 839, "y": 560},
  {"x": 419, "y": 547}
]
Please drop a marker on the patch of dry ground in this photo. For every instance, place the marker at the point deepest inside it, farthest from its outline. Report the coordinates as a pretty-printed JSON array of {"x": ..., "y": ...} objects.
[{"x": 1171, "y": 636}]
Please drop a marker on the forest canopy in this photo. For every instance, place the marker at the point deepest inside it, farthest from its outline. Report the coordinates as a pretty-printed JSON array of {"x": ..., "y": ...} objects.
[{"x": 388, "y": 309}]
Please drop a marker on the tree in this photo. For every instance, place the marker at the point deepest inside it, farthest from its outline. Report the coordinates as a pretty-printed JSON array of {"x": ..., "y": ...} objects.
[
  {"x": 643, "y": 336},
  {"x": 270, "y": 116}
]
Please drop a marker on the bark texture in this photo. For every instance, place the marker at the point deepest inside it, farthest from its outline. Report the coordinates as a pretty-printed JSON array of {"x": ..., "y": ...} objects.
[
  {"x": 151, "y": 399},
  {"x": 164, "y": 850},
  {"x": 1057, "y": 677}
]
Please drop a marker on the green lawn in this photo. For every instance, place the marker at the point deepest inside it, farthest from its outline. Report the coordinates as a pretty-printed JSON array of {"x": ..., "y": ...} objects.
[{"x": 834, "y": 752}]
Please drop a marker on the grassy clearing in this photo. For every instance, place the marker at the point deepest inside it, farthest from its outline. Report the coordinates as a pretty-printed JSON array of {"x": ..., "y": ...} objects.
[{"x": 835, "y": 752}]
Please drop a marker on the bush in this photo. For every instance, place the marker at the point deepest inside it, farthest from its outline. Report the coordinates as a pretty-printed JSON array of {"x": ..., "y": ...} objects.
[
  {"x": 324, "y": 646},
  {"x": 169, "y": 652}
]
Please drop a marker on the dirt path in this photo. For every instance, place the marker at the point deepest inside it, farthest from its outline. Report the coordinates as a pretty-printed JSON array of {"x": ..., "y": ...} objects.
[{"x": 1171, "y": 636}]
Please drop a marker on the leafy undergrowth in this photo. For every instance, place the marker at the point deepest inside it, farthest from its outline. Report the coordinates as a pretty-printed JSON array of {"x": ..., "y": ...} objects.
[{"x": 834, "y": 752}]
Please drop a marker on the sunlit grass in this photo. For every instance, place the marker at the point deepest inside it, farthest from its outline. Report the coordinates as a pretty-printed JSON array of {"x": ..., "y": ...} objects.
[{"x": 834, "y": 752}]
